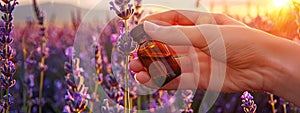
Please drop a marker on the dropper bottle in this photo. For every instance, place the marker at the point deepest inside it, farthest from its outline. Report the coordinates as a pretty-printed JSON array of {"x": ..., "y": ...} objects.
[{"x": 157, "y": 57}]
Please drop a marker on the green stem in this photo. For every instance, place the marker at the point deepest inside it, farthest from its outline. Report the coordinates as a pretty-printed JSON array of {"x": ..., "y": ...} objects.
[
  {"x": 139, "y": 102},
  {"x": 24, "y": 101},
  {"x": 127, "y": 91},
  {"x": 42, "y": 75},
  {"x": 127, "y": 103},
  {"x": 6, "y": 101},
  {"x": 272, "y": 102},
  {"x": 284, "y": 108},
  {"x": 95, "y": 92},
  {"x": 29, "y": 108},
  {"x": 24, "y": 70},
  {"x": 1, "y": 94},
  {"x": 41, "y": 91}
]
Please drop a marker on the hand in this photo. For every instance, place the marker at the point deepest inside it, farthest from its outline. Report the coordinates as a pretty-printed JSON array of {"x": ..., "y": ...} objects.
[{"x": 254, "y": 60}]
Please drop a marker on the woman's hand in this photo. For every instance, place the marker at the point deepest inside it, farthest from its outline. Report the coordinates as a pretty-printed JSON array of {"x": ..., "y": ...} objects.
[{"x": 254, "y": 60}]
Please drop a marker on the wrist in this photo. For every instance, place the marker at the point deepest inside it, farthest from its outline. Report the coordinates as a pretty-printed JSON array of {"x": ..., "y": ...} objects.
[{"x": 283, "y": 76}]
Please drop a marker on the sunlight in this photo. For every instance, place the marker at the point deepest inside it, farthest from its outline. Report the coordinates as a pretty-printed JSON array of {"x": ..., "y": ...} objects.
[
  {"x": 78, "y": 2},
  {"x": 280, "y": 3}
]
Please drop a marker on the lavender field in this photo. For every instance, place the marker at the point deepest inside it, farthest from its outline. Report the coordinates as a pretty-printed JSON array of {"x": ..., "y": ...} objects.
[{"x": 78, "y": 64}]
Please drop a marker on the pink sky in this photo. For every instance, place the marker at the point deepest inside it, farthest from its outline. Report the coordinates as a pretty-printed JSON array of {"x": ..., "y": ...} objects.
[
  {"x": 182, "y": 3},
  {"x": 235, "y": 6}
]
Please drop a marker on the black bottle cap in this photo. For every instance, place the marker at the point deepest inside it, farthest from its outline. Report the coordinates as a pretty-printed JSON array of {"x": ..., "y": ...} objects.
[{"x": 138, "y": 34}]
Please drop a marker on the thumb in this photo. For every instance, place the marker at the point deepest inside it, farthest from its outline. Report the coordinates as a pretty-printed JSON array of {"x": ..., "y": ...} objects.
[
  {"x": 206, "y": 37},
  {"x": 199, "y": 36}
]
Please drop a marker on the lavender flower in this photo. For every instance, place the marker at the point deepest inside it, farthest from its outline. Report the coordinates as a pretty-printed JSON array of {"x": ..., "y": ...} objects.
[
  {"x": 31, "y": 64},
  {"x": 124, "y": 9},
  {"x": 67, "y": 109},
  {"x": 248, "y": 103},
  {"x": 111, "y": 80},
  {"x": 10, "y": 7},
  {"x": 77, "y": 101},
  {"x": 296, "y": 109},
  {"x": 124, "y": 46},
  {"x": 7, "y": 68},
  {"x": 188, "y": 100},
  {"x": 77, "y": 96},
  {"x": 152, "y": 105},
  {"x": 70, "y": 52},
  {"x": 137, "y": 13},
  {"x": 138, "y": 2},
  {"x": 7, "y": 82},
  {"x": 114, "y": 38},
  {"x": 7, "y": 101},
  {"x": 76, "y": 19},
  {"x": 98, "y": 63},
  {"x": 107, "y": 108},
  {"x": 100, "y": 78},
  {"x": 40, "y": 15}
]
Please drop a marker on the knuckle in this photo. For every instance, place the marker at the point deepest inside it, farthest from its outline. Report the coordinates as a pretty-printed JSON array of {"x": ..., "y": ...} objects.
[{"x": 220, "y": 15}]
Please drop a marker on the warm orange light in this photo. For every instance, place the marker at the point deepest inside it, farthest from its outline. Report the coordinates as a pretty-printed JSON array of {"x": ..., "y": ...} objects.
[{"x": 280, "y": 3}]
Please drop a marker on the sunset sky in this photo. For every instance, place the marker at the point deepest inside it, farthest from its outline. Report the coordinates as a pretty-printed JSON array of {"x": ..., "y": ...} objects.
[
  {"x": 178, "y": 3},
  {"x": 234, "y": 6}
]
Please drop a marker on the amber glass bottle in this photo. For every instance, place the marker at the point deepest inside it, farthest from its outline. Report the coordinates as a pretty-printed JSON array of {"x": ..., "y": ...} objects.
[{"x": 156, "y": 57}]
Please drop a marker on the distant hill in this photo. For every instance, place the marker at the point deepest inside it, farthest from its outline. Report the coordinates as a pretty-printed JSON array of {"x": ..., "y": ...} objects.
[{"x": 61, "y": 12}]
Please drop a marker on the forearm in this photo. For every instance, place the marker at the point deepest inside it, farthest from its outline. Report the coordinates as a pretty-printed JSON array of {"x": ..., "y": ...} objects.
[{"x": 285, "y": 62}]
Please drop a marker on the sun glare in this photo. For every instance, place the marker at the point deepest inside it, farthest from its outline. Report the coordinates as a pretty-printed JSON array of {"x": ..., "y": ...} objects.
[{"x": 280, "y": 3}]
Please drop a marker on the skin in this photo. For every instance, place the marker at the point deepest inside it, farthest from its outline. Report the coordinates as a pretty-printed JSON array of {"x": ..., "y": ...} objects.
[{"x": 255, "y": 60}]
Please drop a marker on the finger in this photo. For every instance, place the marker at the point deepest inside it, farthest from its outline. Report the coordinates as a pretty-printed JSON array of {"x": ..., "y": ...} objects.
[
  {"x": 189, "y": 57},
  {"x": 142, "y": 77},
  {"x": 145, "y": 79},
  {"x": 222, "y": 19},
  {"x": 185, "y": 81},
  {"x": 184, "y": 62},
  {"x": 180, "y": 17},
  {"x": 197, "y": 79},
  {"x": 135, "y": 65},
  {"x": 181, "y": 50},
  {"x": 183, "y": 35},
  {"x": 189, "y": 79},
  {"x": 185, "y": 17},
  {"x": 208, "y": 38}
]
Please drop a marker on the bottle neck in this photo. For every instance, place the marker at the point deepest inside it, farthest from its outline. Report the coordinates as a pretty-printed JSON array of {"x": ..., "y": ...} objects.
[{"x": 139, "y": 35}]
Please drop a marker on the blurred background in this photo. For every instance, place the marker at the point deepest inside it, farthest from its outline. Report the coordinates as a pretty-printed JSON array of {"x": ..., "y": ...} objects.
[
  {"x": 68, "y": 22},
  {"x": 234, "y": 7}
]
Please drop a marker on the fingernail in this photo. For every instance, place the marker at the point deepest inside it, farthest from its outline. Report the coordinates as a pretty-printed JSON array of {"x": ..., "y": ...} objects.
[
  {"x": 150, "y": 27},
  {"x": 136, "y": 78}
]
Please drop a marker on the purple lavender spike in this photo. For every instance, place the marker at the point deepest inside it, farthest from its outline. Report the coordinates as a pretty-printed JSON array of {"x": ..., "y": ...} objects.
[
  {"x": 248, "y": 103},
  {"x": 7, "y": 67},
  {"x": 121, "y": 11}
]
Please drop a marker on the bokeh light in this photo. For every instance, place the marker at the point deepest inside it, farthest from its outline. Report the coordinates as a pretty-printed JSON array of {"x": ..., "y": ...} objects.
[{"x": 280, "y": 3}]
